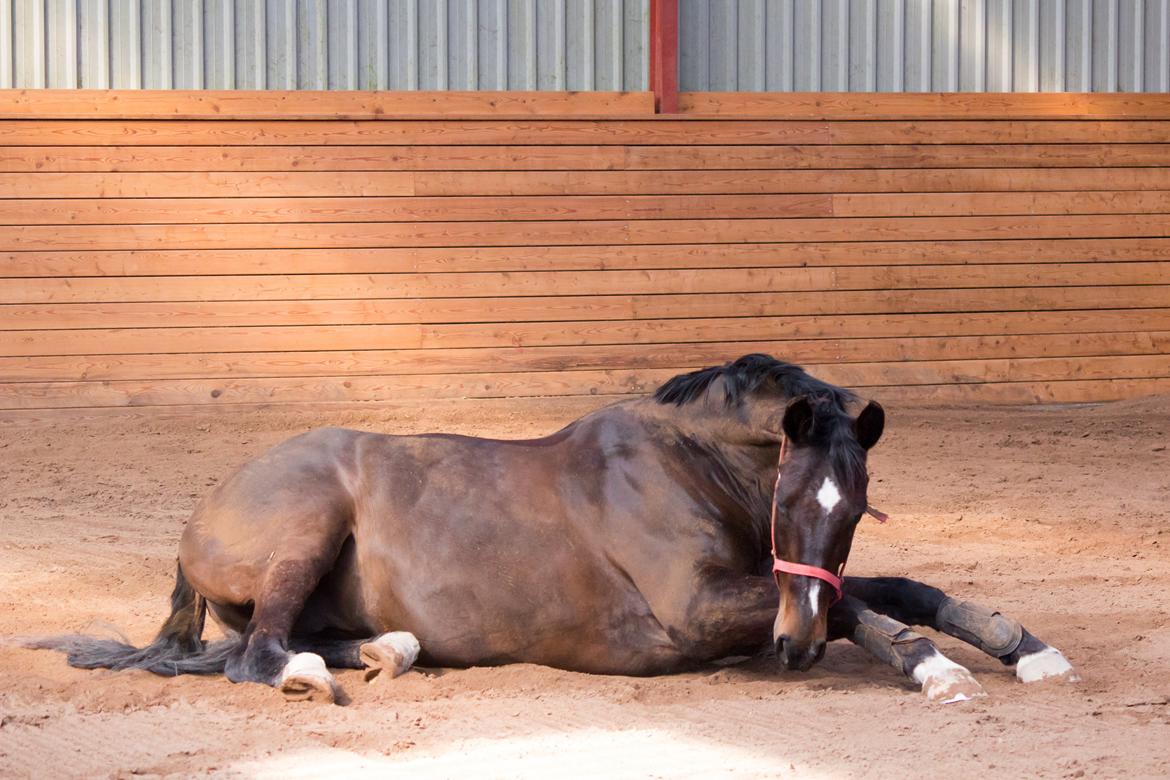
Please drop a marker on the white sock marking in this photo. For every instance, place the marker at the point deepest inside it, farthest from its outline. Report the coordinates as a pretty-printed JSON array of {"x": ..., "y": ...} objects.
[
  {"x": 405, "y": 643},
  {"x": 828, "y": 495},
  {"x": 305, "y": 665},
  {"x": 1045, "y": 663},
  {"x": 944, "y": 680}
]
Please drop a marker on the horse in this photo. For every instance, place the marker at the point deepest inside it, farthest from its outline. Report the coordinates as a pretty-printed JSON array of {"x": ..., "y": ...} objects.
[{"x": 657, "y": 534}]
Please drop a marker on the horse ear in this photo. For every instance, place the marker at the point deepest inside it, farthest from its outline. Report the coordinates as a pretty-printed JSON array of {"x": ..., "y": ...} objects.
[
  {"x": 869, "y": 424},
  {"x": 798, "y": 420}
]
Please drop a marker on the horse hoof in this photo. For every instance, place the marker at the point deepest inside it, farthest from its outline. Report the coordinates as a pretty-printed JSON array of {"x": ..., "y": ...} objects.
[
  {"x": 1047, "y": 664},
  {"x": 945, "y": 682},
  {"x": 392, "y": 653},
  {"x": 305, "y": 678}
]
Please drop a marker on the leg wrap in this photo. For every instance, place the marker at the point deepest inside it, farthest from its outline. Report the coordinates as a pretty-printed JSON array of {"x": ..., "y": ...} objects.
[
  {"x": 881, "y": 635},
  {"x": 991, "y": 632}
]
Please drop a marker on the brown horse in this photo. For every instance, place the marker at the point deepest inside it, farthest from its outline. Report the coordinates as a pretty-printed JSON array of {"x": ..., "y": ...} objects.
[{"x": 637, "y": 540}]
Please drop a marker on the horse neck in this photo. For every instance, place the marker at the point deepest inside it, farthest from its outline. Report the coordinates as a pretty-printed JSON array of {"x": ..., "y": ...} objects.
[{"x": 742, "y": 461}]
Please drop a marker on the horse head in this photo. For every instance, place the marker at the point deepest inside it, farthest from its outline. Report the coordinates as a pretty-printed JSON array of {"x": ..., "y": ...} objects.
[
  {"x": 755, "y": 404},
  {"x": 820, "y": 495}
]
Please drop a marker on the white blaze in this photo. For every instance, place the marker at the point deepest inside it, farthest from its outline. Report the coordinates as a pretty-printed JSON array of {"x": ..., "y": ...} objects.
[
  {"x": 814, "y": 590},
  {"x": 828, "y": 495}
]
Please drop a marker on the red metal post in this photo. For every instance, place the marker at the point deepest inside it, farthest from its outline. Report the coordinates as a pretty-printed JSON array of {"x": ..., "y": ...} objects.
[{"x": 664, "y": 55}]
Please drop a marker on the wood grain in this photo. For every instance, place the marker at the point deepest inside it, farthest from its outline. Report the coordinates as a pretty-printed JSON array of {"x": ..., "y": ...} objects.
[
  {"x": 130, "y": 211},
  {"x": 928, "y": 105},
  {"x": 232, "y": 248},
  {"x": 111, "y": 159},
  {"x": 1140, "y": 371},
  {"x": 537, "y": 131},
  {"x": 438, "y": 260},
  {"x": 1118, "y": 324},
  {"x": 241, "y": 104},
  {"x": 566, "y": 308},
  {"x": 181, "y": 365},
  {"x": 339, "y": 235},
  {"x": 573, "y": 183},
  {"x": 558, "y": 283}
]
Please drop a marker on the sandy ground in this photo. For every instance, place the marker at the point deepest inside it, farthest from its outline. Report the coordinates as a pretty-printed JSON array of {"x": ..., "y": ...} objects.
[{"x": 1058, "y": 516}]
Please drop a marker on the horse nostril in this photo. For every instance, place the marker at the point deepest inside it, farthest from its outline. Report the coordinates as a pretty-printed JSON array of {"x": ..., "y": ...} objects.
[
  {"x": 781, "y": 646},
  {"x": 818, "y": 651}
]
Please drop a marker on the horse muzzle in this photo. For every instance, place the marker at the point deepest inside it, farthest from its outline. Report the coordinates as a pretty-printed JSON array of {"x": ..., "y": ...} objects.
[
  {"x": 799, "y": 633},
  {"x": 799, "y": 656}
]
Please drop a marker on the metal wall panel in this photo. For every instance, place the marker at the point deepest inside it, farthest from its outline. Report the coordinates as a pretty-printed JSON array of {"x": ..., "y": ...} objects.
[
  {"x": 325, "y": 44},
  {"x": 747, "y": 45},
  {"x": 925, "y": 45}
]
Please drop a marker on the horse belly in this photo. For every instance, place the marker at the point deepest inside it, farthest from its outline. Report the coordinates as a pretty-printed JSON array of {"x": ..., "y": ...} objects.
[
  {"x": 524, "y": 601},
  {"x": 501, "y": 621}
]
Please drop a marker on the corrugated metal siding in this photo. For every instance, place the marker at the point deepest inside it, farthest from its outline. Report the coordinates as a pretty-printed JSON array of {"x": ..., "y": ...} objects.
[
  {"x": 325, "y": 44},
  {"x": 925, "y": 45}
]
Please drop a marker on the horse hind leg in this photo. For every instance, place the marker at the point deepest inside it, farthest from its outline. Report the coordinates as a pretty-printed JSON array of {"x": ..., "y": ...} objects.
[
  {"x": 390, "y": 654},
  {"x": 263, "y": 655},
  {"x": 914, "y": 655},
  {"x": 992, "y": 632}
]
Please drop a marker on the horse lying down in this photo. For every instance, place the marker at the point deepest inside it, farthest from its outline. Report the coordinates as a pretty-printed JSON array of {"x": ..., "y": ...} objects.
[{"x": 648, "y": 537}]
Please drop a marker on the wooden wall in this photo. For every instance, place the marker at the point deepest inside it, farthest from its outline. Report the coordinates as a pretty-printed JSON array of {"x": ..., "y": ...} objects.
[{"x": 226, "y": 248}]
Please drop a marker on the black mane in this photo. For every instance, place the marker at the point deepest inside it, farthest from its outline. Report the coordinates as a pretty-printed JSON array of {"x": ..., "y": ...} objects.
[
  {"x": 832, "y": 426},
  {"x": 750, "y": 373}
]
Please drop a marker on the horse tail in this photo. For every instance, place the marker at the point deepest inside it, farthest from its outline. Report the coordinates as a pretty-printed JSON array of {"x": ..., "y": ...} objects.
[{"x": 177, "y": 649}]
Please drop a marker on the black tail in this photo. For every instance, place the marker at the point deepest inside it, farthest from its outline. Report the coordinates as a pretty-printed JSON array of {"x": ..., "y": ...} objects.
[{"x": 178, "y": 648}]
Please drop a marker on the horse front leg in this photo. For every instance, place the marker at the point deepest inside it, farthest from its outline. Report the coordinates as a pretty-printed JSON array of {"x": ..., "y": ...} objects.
[
  {"x": 914, "y": 655},
  {"x": 728, "y": 614},
  {"x": 992, "y": 632}
]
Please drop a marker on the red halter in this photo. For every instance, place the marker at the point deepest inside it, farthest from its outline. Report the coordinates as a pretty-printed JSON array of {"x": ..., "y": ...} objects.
[{"x": 835, "y": 580}]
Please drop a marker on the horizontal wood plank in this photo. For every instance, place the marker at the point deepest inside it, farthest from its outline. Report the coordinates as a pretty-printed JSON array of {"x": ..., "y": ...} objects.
[
  {"x": 573, "y": 183},
  {"x": 112, "y": 159},
  {"x": 652, "y": 132},
  {"x": 552, "y": 283},
  {"x": 241, "y": 104},
  {"x": 781, "y": 182},
  {"x": 67, "y": 159},
  {"x": 128, "y": 211},
  {"x": 204, "y": 185},
  {"x": 32, "y": 132},
  {"x": 178, "y": 262},
  {"x": 1154, "y": 371},
  {"x": 563, "y": 233},
  {"x": 865, "y": 156},
  {"x": 131, "y": 211},
  {"x": 568, "y": 358},
  {"x": 993, "y": 203},
  {"x": 926, "y": 105},
  {"x": 1121, "y": 325},
  {"x": 98, "y": 395},
  {"x": 1024, "y": 393},
  {"x": 995, "y": 132},
  {"x": 31, "y": 317}
]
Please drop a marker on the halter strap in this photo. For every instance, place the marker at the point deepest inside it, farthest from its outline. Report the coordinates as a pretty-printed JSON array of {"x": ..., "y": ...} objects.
[{"x": 836, "y": 581}]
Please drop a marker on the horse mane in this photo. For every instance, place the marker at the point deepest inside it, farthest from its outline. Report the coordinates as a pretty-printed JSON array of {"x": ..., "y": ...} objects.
[
  {"x": 747, "y": 375},
  {"x": 832, "y": 424}
]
